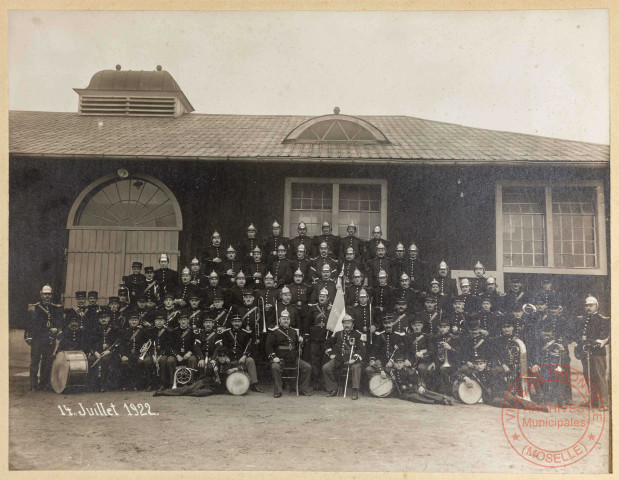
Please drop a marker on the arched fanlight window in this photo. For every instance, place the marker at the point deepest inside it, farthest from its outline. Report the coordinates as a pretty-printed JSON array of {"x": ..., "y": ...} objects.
[
  {"x": 336, "y": 129},
  {"x": 132, "y": 202}
]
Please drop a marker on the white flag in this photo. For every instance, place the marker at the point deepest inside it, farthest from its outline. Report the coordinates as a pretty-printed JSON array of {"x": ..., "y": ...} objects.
[{"x": 338, "y": 309}]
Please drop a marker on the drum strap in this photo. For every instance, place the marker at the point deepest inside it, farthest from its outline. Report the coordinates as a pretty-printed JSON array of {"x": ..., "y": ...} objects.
[
  {"x": 151, "y": 284},
  {"x": 173, "y": 314},
  {"x": 194, "y": 314},
  {"x": 161, "y": 332},
  {"x": 399, "y": 318},
  {"x": 219, "y": 316},
  {"x": 134, "y": 335},
  {"x": 185, "y": 333},
  {"x": 519, "y": 296},
  {"x": 479, "y": 343},
  {"x": 433, "y": 317}
]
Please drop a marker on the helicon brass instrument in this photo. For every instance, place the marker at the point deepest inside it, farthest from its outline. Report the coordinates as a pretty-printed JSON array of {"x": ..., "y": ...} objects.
[
  {"x": 183, "y": 376},
  {"x": 529, "y": 308}
]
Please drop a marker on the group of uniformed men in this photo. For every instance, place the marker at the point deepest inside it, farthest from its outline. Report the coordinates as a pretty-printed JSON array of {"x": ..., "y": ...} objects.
[{"x": 271, "y": 301}]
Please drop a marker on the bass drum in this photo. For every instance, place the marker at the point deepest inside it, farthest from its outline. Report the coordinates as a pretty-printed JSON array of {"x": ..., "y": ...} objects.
[
  {"x": 469, "y": 395},
  {"x": 381, "y": 387},
  {"x": 70, "y": 369},
  {"x": 237, "y": 383}
]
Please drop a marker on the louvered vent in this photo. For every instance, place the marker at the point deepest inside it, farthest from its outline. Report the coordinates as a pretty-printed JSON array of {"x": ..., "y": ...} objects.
[{"x": 132, "y": 106}]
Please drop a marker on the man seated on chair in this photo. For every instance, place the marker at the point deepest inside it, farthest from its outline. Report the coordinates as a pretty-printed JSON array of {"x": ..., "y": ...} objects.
[
  {"x": 283, "y": 348},
  {"x": 344, "y": 348}
]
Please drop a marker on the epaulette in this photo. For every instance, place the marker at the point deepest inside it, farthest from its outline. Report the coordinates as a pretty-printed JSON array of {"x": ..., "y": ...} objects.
[
  {"x": 57, "y": 305},
  {"x": 296, "y": 330},
  {"x": 32, "y": 306},
  {"x": 379, "y": 333},
  {"x": 400, "y": 333},
  {"x": 225, "y": 330},
  {"x": 247, "y": 331},
  {"x": 273, "y": 329}
]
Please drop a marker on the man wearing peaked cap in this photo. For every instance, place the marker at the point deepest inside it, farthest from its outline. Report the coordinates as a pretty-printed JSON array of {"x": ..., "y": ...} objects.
[
  {"x": 270, "y": 244},
  {"x": 135, "y": 282},
  {"x": 378, "y": 263},
  {"x": 212, "y": 256},
  {"x": 333, "y": 242},
  {"x": 256, "y": 269},
  {"x": 516, "y": 293},
  {"x": 344, "y": 349},
  {"x": 283, "y": 346},
  {"x": 247, "y": 245},
  {"x": 496, "y": 298},
  {"x": 44, "y": 323},
  {"x": 385, "y": 344},
  {"x": 325, "y": 259},
  {"x": 165, "y": 276},
  {"x": 301, "y": 239},
  {"x": 79, "y": 312},
  {"x": 352, "y": 241},
  {"x": 324, "y": 282},
  {"x": 230, "y": 267},
  {"x": 372, "y": 244},
  {"x": 151, "y": 288}
]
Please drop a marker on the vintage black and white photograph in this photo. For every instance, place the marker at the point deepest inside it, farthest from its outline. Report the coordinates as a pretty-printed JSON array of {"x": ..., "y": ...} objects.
[{"x": 319, "y": 241}]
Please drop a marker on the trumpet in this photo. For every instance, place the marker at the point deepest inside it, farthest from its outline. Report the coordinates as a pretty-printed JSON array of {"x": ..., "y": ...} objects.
[
  {"x": 145, "y": 348},
  {"x": 529, "y": 308},
  {"x": 443, "y": 350},
  {"x": 183, "y": 375}
]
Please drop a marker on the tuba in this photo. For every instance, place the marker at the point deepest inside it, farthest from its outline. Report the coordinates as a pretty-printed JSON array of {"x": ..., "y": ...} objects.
[{"x": 517, "y": 352}]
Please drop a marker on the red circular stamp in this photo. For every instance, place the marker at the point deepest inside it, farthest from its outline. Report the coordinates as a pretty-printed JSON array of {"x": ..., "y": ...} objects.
[{"x": 553, "y": 434}]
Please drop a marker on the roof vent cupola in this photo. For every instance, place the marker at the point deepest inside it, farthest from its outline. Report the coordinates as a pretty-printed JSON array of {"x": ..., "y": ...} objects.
[{"x": 133, "y": 93}]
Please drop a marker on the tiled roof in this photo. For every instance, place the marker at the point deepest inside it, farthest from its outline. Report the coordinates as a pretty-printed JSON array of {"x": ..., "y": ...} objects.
[{"x": 260, "y": 137}]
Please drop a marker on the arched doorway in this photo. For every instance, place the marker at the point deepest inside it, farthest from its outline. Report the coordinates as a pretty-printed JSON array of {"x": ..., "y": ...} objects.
[{"x": 115, "y": 221}]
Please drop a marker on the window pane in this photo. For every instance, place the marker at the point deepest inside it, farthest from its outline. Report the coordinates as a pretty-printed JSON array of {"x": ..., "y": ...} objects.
[
  {"x": 523, "y": 225},
  {"x": 574, "y": 223}
]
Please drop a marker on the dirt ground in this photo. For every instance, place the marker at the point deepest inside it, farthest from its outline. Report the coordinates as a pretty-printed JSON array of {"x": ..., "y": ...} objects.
[{"x": 258, "y": 432}]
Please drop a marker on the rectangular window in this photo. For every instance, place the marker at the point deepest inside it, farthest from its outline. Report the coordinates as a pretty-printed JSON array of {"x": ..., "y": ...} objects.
[
  {"x": 523, "y": 227},
  {"x": 338, "y": 201},
  {"x": 551, "y": 228}
]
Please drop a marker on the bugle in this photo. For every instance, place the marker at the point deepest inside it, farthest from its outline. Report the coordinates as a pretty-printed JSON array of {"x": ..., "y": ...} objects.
[
  {"x": 529, "y": 308},
  {"x": 145, "y": 348}
]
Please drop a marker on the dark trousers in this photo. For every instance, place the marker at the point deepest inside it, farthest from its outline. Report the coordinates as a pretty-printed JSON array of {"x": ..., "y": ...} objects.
[
  {"x": 333, "y": 368},
  {"x": 317, "y": 353},
  {"x": 164, "y": 371},
  {"x": 444, "y": 385},
  {"x": 597, "y": 370},
  {"x": 426, "y": 397},
  {"x": 200, "y": 388},
  {"x": 99, "y": 374},
  {"x": 304, "y": 375},
  {"x": 41, "y": 354},
  {"x": 132, "y": 370}
]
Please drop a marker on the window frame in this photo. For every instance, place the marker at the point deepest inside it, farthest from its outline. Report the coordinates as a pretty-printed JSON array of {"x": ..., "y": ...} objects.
[
  {"x": 335, "y": 204},
  {"x": 550, "y": 268}
]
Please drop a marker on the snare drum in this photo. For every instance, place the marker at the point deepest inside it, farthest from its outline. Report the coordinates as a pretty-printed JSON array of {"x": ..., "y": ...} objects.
[
  {"x": 237, "y": 383},
  {"x": 381, "y": 387},
  {"x": 70, "y": 369},
  {"x": 465, "y": 394}
]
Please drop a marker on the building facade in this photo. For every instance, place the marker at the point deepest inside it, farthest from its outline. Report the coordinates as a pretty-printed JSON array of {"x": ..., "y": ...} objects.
[{"x": 134, "y": 173}]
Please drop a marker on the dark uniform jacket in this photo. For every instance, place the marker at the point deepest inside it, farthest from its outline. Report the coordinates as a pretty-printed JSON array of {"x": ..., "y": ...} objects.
[
  {"x": 402, "y": 322},
  {"x": 300, "y": 240},
  {"x": 454, "y": 356},
  {"x": 206, "y": 344},
  {"x": 236, "y": 293},
  {"x": 348, "y": 269},
  {"x": 412, "y": 298},
  {"x": 270, "y": 244},
  {"x": 283, "y": 343},
  {"x": 300, "y": 298},
  {"x": 184, "y": 290},
  {"x": 447, "y": 286},
  {"x": 304, "y": 265},
  {"x": 199, "y": 281},
  {"x": 351, "y": 294},
  {"x": 167, "y": 279},
  {"x": 319, "y": 316},
  {"x": 103, "y": 337},
  {"x": 41, "y": 318},
  {"x": 340, "y": 343},
  {"x": 370, "y": 248},
  {"x": 350, "y": 241},
  {"x": 419, "y": 342},
  {"x": 384, "y": 345},
  {"x": 319, "y": 285},
  {"x": 77, "y": 339},
  {"x": 320, "y": 261},
  {"x": 361, "y": 318},
  {"x": 295, "y": 318},
  {"x": 161, "y": 338},
  {"x": 182, "y": 341},
  {"x": 227, "y": 280},
  {"x": 333, "y": 243},
  {"x": 81, "y": 313},
  {"x": 152, "y": 291},
  {"x": 595, "y": 327},
  {"x": 245, "y": 249},
  {"x": 209, "y": 254},
  {"x": 210, "y": 293},
  {"x": 478, "y": 286},
  {"x": 237, "y": 342},
  {"x": 382, "y": 299},
  {"x": 375, "y": 266},
  {"x": 131, "y": 341},
  {"x": 255, "y": 273},
  {"x": 118, "y": 320},
  {"x": 417, "y": 271},
  {"x": 281, "y": 269},
  {"x": 488, "y": 321},
  {"x": 515, "y": 298},
  {"x": 171, "y": 316},
  {"x": 196, "y": 317},
  {"x": 475, "y": 345}
]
